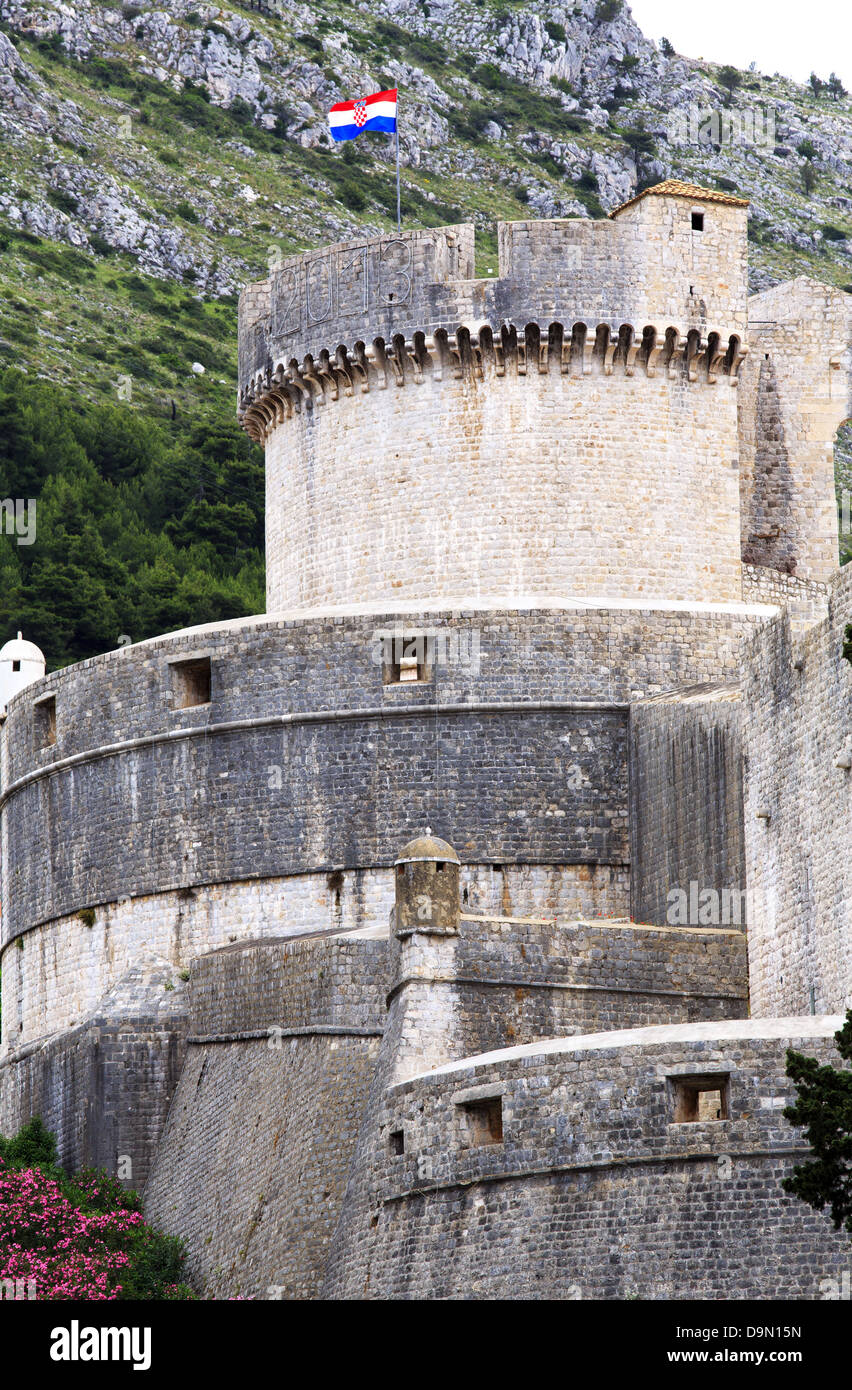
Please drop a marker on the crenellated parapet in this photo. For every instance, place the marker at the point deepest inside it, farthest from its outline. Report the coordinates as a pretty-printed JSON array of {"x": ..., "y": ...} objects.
[
  {"x": 579, "y": 349},
  {"x": 647, "y": 264}
]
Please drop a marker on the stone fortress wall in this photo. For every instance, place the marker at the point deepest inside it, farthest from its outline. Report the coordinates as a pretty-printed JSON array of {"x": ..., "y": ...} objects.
[
  {"x": 594, "y": 1190},
  {"x": 544, "y": 497},
  {"x": 641, "y": 1162},
  {"x": 797, "y": 803},
  {"x": 686, "y": 807},
  {"x": 103, "y": 1085},
  {"x": 545, "y": 469},
  {"x": 796, "y": 392},
  {"x": 252, "y": 1167},
  {"x": 276, "y": 807},
  {"x": 775, "y": 753},
  {"x": 283, "y": 1043}
]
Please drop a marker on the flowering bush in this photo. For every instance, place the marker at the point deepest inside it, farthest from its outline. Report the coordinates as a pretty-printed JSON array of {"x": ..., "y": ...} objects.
[{"x": 81, "y": 1237}]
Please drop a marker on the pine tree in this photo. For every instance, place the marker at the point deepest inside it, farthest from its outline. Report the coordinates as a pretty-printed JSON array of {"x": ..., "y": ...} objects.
[{"x": 824, "y": 1110}]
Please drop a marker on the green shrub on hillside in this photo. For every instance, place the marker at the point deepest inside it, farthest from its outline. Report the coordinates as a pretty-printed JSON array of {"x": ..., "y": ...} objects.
[{"x": 142, "y": 525}]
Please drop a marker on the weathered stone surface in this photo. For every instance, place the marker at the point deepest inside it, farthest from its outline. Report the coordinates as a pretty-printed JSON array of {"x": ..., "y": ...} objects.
[
  {"x": 504, "y": 1094},
  {"x": 686, "y": 808},
  {"x": 593, "y": 1191},
  {"x": 798, "y": 689}
]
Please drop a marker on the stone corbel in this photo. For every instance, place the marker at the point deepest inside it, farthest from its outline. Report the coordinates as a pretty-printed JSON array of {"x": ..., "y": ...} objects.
[
  {"x": 485, "y": 350},
  {"x": 310, "y": 375},
  {"x": 422, "y": 359},
  {"x": 360, "y": 367},
  {"x": 454, "y": 351},
  {"x": 652, "y": 361},
  {"x": 396, "y": 364},
  {"x": 417, "y": 370},
  {"x": 294, "y": 375},
  {"x": 326, "y": 375},
  {"x": 691, "y": 355},
  {"x": 343, "y": 371},
  {"x": 435, "y": 358},
  {"x": 378, "y": 360},
  {"x": 739, "y": 356},
  {"x": 283, "y": 404},
  {"x": 715, "y": 360}
]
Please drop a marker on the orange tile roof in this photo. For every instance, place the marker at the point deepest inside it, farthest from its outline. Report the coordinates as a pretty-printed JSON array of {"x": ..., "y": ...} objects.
[{"x": 675, "y": 188}]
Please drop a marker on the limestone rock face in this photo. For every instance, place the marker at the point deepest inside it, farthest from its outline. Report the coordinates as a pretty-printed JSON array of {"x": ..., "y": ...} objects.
[{"x": 484, "y": 98}]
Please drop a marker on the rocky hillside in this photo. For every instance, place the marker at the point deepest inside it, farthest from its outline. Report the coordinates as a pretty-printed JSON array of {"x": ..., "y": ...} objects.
[{"x": 156, "y": 156}]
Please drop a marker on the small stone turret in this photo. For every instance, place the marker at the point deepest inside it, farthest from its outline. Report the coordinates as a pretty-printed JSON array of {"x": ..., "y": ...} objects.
[
  {"x": 423, "y": 995},
  {"x": 21, "y": 663},
  {"x": 427, "y": 887}
]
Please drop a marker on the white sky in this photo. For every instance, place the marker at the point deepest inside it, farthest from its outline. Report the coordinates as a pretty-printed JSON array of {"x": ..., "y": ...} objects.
[{"x": 778, "y": 35}]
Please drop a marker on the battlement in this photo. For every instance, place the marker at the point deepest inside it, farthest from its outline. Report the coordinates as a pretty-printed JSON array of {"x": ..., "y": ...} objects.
[
  {"x": 539, "y": 381},
  {"x": 673, "y": 259}
]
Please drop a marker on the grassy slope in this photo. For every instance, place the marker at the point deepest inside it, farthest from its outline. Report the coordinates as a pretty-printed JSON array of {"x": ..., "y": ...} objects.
[{"x": 88, "y": 320}]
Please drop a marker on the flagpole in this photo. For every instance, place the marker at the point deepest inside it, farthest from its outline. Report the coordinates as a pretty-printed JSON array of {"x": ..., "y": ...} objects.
[{"x": 398, "y": 217}]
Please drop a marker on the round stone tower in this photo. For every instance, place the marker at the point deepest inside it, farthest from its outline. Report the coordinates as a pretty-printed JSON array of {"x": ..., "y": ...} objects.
[{"x": 556, "y": 431}]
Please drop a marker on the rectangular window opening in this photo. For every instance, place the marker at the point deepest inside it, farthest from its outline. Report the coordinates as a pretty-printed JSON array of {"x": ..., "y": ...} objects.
[
  {"x": 397, "y": 1142},
  {"x": 410, "y": 661},
  {"x": 698, "y": 221},
  {"x": 482, "y": 1122},
  {"x": 191, "y": 681},
  {"x": 700, "y": 1099},
  {"x": 44, "y": 722},
  {"x": 16, "y": 665}
]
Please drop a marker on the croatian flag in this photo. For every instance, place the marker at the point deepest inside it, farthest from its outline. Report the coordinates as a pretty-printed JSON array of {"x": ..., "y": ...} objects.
[{"x": 349, "y": 118}]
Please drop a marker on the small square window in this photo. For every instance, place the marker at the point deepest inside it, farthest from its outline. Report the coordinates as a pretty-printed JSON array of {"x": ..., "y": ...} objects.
[
  {"x": 16, "y": 665},
  {"x": 397, "y": 1142},
  {"x": 699, "y": 1099},
  {"x": 410, "y": 662},
  {"x": 191, "y": 682},
  {"x": 698, "y": 221},
  {"x": 44, "y": 722},
  {"x": 482, "y": 1122}
]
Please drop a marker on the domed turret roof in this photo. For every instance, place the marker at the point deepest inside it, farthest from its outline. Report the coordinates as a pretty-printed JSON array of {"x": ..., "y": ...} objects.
[
  {"x": 427, "y": 847},
  {"x": 18, "y": 650}
]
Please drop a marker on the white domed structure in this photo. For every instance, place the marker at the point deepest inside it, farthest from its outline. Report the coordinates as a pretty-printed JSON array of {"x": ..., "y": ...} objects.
[{"x": 21, "y": 663}]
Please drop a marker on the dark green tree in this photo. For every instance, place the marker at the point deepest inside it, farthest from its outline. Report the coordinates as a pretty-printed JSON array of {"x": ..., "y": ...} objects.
[
  {"x": 639, "y": 141},
  {"x": 730, "y": 78},
  {"x": 824, "y": 1110},
  {"x": 142, "y": 525}
]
